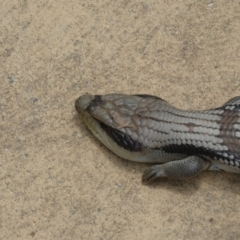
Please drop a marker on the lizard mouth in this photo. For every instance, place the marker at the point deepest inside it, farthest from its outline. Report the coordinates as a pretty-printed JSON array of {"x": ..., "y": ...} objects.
[{"x": 82, "y": 105}]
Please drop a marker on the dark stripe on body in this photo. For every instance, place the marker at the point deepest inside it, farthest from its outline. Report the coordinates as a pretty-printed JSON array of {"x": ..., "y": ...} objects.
[
  {"x": 189, "y": 150},
  {"x": 201, "y": 151}
]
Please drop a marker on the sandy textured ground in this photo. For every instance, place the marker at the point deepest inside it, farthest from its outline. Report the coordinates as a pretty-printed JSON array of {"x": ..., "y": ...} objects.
[{"x": 57, "y": 180}]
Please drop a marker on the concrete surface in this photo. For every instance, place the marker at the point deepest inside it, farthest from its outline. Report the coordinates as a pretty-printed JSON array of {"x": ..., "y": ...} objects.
[{"x": 57, "y": 180}]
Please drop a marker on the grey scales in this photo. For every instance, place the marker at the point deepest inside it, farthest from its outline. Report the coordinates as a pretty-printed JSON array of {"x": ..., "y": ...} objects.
[{"x": 182, "y": 143}]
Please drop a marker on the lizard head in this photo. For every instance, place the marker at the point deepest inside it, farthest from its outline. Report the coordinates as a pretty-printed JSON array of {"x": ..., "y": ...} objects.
[{"x": 108, "y": 117}]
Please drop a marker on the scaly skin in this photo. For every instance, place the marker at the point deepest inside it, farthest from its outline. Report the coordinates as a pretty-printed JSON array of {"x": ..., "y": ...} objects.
[{"x": 146, "y": 128}]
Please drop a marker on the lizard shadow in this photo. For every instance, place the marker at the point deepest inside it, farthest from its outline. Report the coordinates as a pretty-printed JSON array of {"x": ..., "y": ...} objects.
[{"x": 219, "y": 181}]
